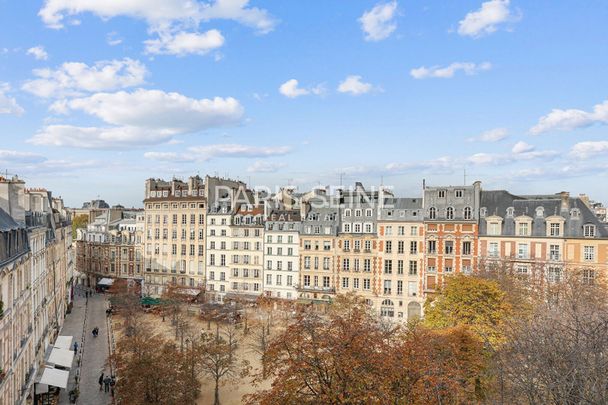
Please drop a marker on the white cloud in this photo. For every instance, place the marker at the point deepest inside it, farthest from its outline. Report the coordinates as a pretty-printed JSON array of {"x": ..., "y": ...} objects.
[
  {"x": 439, "y": 165},
  {"x": 237, "y": 10},
  {"x": 113, "y": 39},
  {"x": 486, "y": 19},
  {"x": 75, "y": 78},
  {"x": 588, "y": 149},
  {"x": 567, "y": 120},
  {"x": 183, "y": 43},
  {"x": 353, "y": 85},
  {"x": 236, "y": 150},
  {"x": 378, "y": 23},
  {"x": 449, "y": 71},
  {"x": 170, "y": 113},
  {"x": 160, "y": 14},
  {"x": 290, "y": 89},
  {"x": 169, "y": 157},
  {"x": 260, "y": 166},
  {"x": 522, "y": 147},
  {"x": 16, "y": 157},
  {"x": 8, "y": 104},
  {"x": 492, "y": 135},
  {"x": 38, "y": 52},
  {"x": 97, "y": 137}
]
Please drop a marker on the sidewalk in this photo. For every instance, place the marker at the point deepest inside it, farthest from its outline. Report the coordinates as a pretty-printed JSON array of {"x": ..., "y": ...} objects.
[{"x": 92, "y": 351}]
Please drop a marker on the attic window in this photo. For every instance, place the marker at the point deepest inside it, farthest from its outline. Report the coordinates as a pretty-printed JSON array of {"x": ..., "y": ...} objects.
[
  {"x": 589, "y": 231},
  {"x": 458, "y": 193},
  {"x": 441, "y": 193},
  {"x": 575, "y": 213},
  {"x": 540, "y": 212},
  {"x": 483, "y": 211},
  {"x": 510, "y": 211}
]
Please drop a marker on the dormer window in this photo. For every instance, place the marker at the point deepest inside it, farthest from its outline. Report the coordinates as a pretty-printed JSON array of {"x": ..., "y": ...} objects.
[
  {"x": 357, "y": 213},
  {"x": 467, "y": 213},
  {"x": 458, "y": 193},
  {"x": 368, "y": 213},
  {"x": 523, "y": 229},
  {"x": 575, "y": 213},
  {"x": 540, "y": 212},
  {"x": 589, "y": 231},
  {"x": 555, "y": 229},
  {"x": 441, "y": 193},
  {"x": 483, "y": 212},
  {"x": 510, "y": 211},
  {"x": 449, "y": 213},
  {"x": 347, "y": 212},
  {"x": 432, "y": 213},
  {"x": 494, "y": 228}
]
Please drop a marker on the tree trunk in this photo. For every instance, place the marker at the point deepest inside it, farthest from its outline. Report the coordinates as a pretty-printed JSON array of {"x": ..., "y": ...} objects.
[{"x": 217, "y": 392}]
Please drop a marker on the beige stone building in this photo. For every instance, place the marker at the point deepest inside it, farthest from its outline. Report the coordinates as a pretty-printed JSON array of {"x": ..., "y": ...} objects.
[{"x": 174, "y": 234}]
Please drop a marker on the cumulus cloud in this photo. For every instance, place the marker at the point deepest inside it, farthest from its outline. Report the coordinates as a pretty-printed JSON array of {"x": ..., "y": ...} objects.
[
  {"x": 38, "y": 52},
  {"x": 449, "y": 71},
  {"x": 76, "y": 78},
  {"x": 487, "y": 19},
  {"x": 521, "y": 151},
  {"x": 183, "y": 43},
  {"x": 291, "y": 89},
  {"x": 522, "y": 147},
  {"x": 354, "y": 85},
  {"x": 160, "y": 14},
  {"x": 567, "y": 120},
  {"x": 169, "y": 157},
  {"x": 8, "y": 104},
  {"x": 378, "y": 23},
  {"x": 588, "y": 149},
  {"x": 261, "y": 166},
  {"x": 492, "y": 135},
  {"x": 138, "y": 118}
]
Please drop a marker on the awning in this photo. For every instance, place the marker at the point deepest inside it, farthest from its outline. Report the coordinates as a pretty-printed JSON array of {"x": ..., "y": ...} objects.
[
  {"x": 64, "y": 342},
  {"x": 61, "y": 357},
  {"x": 55, "y": 377},
  {"x": 106, "y": 281},
  {"x": 150, "y": 301}
]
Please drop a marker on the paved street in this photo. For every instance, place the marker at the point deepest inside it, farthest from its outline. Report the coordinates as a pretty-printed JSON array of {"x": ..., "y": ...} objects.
[{"x": 94, "y": 351}]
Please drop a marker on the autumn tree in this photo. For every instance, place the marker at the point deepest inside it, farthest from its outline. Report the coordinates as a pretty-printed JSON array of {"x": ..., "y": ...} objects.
[
  {"x": 475, "y": 302},
  {"x": 218, "y": 361},
  {"x": 79, "y": 222}
]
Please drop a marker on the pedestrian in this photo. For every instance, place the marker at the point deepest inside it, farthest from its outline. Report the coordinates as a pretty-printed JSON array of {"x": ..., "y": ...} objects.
[
  {"x": 112, "y": 385},
  {"x": 101, "y": 381},
  {"x": 106, "y": 383},
  {"x": 75, "y": 347}
]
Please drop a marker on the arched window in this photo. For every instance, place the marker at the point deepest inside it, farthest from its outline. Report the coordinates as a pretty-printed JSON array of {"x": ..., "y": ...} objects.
[
  {"x": 467, "y": 212},
  {"x": 387, "y": 308},
  {"x": 432, "y": 213},
  {"x": 449, "y": 213}
]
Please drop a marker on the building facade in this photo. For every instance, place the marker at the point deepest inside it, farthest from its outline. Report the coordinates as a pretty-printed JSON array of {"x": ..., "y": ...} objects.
[{"x": 282, "y": 249}]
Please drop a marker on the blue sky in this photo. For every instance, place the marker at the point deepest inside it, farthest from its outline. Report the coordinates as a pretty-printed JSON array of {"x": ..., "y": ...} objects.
[{"x": 95, "y": 98}]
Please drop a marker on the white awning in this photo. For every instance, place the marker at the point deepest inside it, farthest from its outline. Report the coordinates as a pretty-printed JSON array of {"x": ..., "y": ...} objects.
[
  {"x": 106, "y": 281},
  {"x": 55, "y": 377},
  {"x": 64, "y": 342},
  {"x": 61, "y": 357}
]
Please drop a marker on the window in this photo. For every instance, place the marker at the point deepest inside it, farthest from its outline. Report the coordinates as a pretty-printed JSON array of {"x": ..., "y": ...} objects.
[
  {"x": 554, "y": 274},
  {"x": 400, "y": 247},
  {"x": 366, "y": 284},
  {"x": 441, "y": 193},
  {"x": 554, "y": 229},
  {"x": 522, "y": 270},
  {"x": 494, "y": 228},
  {"x": 413, "y": 268},
  {"x": 326, "y": 263},
  {"x": 346, "y": 228},
  {"x": 413, "y": 247},
  {"x": 493, "y": 249},
  {"x": 522, "y": 251},
  {"x": 523, "y": 229},
  {"x": 449, "y": 213},
  {"x": 368, "y": 246},
  {"x": 588, "y": 276},
  {"x": 467, "y": 213},
  {"x": 357, "y": 228},
  {"x": 399, "y": 287},
  {"x": 355, "y": 283},
  {"x": 589, "y": 231},
  {"x": 357, "y": 212},
  {"x": 589, "y": 253},
  {"x": 388, "y": 267},
  {"x": 388, "y": 231},
  {"x": 306, "y": 281},
  {"x": 554, "y": 252},
  {"x": 367, "y": 265},
  {"x": 458, "y": 193},
  {"x": 412, "y": 288},
  {"x": 346, "y": 264},
  {"x": 466, "y": 248},
  {"x": 400, "y": 267},
  {"x": 325, "y": 281},
  {"x": 432, "y": 213},
  {"x": 347, "y": 212},
  {"x": 387, "y": 287},
  {"x": 432, "y": 246},
  {"x": 413, "y": 231},
  {"x": 448, "y": 269},
  {"x": 401, "y": 230},
  {"x": 345, "y": 282},
  {"x": 449, "y": 247},
  {"x": 389, "y": 247},
  {"x": 368, "y": 212}
]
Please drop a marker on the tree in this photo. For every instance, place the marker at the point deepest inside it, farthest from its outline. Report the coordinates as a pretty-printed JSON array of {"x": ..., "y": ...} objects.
[
  {"x": 475, "y": 302},
  {"x": 559, "y": 355},
  {"x": 219, "y": 362},
  {"x": 79, "y": 222}
]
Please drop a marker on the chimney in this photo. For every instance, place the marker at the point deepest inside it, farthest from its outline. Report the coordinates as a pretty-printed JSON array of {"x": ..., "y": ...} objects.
[
  {"x": 565, "y": 198},
  {"x": 12, "y": 198}
]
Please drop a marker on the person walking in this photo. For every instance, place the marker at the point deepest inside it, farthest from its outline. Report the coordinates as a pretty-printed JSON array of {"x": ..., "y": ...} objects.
[
  {"x": 106, "y": 383},
  {"x": 75, "y": 347},
  {"x": 101, "y": 381},
  {"x": 112, "y": 385}
]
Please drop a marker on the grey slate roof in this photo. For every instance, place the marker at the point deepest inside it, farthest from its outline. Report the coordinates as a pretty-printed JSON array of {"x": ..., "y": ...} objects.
[{"x": 7, "y": 223}]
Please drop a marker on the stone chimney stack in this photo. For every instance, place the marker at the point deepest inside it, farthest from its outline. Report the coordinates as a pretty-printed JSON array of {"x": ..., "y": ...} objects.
[
  {"x": 565, "y": 198},
  {"x": 12, "y": 198}
]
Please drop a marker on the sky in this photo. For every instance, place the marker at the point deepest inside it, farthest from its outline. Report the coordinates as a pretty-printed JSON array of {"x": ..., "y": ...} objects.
[{"x": 96, "y": 97}]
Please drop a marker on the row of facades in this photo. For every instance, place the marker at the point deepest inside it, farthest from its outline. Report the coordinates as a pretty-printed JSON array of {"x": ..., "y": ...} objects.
[
  {"x": 36, "y": 275},
  {"x": 216, "y": 234}
]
